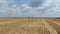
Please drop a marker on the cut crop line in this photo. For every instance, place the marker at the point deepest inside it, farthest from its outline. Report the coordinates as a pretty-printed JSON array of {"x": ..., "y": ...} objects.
[
  {"x": 52, "y": 31},
  {"x": 53, "y": 21},
  {"x": 7, "y": 22}
]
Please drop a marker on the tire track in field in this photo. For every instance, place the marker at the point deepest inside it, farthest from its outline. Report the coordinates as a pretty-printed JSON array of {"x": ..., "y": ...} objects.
[
  {"x": 52, "y": 31},
  {"x": 54, "y": 25},
  {"x": 53, "y": 21}
]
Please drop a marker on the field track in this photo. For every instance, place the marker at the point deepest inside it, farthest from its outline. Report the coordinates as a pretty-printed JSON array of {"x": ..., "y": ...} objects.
[{"x": 29, "y": 26}]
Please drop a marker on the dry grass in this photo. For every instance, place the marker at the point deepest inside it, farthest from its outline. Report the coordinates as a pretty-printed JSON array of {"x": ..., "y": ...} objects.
[
  {"x": 56, "y": 20},
  {"x": 54, "y": 25},
  {"x": 23, "y": 26},
  {"x": 19, "y": 26}
]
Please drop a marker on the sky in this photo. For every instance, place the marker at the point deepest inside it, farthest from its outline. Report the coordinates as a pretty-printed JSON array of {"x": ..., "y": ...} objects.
[{"x": 30, "y": 8}]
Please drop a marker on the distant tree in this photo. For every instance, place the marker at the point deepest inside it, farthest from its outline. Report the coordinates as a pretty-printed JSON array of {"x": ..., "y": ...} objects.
[{"x": 29, "y": 17}]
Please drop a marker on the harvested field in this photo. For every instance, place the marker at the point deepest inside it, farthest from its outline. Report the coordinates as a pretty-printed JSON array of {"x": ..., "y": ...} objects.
[{"x": 29, "y": 26}]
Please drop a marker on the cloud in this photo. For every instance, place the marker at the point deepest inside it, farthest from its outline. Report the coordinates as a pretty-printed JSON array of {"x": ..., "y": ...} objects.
[
  {"x": 48, "y": 9},
  {"x": 35, "y": 8},
  {"x": 36, "y": 3}
]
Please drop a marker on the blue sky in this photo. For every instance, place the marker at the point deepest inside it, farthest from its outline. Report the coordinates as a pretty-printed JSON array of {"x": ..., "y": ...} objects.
[
  {"x": 20, "y": 2},
  {"x": 29, "y": 8}
]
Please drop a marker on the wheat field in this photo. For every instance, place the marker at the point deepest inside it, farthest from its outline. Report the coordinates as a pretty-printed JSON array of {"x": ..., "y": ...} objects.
[{"x": 29, "y": 26}]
